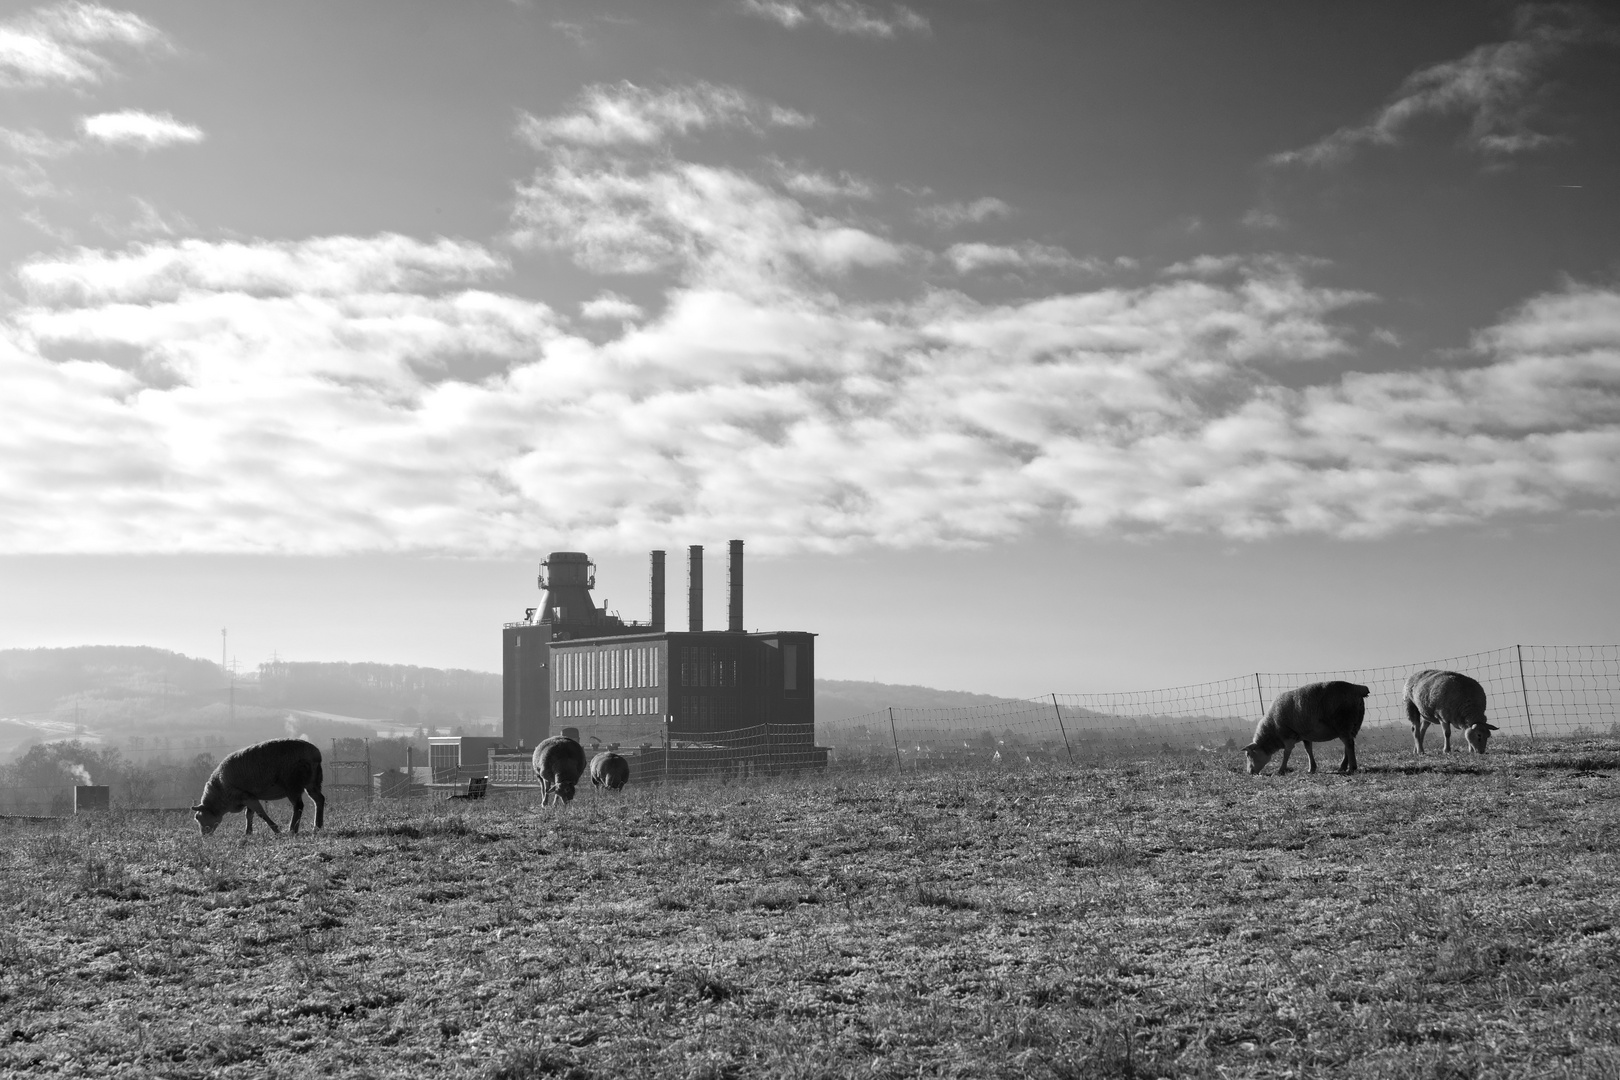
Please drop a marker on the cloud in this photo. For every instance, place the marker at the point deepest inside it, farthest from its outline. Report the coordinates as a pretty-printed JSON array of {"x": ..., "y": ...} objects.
[
  {"x": 63, "y": 44},
  {"x": 702, "y": 221},
  {"x": 28, "y": 151},
  {"x": 819, "y": 185},
  {"x": 956, "y": 214},
  {"x": 610, "y": 306},
  {"x": 627, "y": 114},
  {"x": 968, "y": 258},
  {"x": 1496, "y": 88},
  {"x": 142, "y": 130},
  {"x": 841, "y": 16},
  {"x": 381, "y": 393},
  {"x": 327, "y": 266},
  {"x": 364, "y": 394},
  {"x": 35, "y": 144}
]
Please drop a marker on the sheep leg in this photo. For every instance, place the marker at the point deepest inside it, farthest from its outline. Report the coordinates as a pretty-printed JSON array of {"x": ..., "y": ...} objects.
[
  {"x": 1348, "y": 765},
  {"x": 250, "y": 822},
  {"x": 254, "y": 806},
  {"x": 1282, "y": 767},
  {"x": 1419, "y": 725},
  {"x": 320, "y": 808},
  {"x": 1445, "y": 725},
  {"x": 1311, "y": 754},
  {"x": 297, "y": 800}
]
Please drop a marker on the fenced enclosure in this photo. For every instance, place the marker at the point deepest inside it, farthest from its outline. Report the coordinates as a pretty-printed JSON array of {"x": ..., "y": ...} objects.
[{"x": 1535, "y": 692}]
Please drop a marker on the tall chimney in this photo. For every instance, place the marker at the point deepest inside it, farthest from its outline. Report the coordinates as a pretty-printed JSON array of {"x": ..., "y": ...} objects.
[
  {"x": 658, "y": 591},
  {"x": 694, "y": 588},
  {"x": 734, "y": 580}
]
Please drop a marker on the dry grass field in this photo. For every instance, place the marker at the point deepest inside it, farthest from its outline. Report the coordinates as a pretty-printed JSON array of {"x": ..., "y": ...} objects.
[{"x": 1168, "y": 917}]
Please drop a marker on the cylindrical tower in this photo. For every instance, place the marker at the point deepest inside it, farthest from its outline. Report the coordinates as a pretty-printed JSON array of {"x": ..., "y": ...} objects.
[
  {"x": 658, "y": 591},
  {"x": 567, "y": 578},
  {"x": 694, "y": 588},
  {"x": 734, "y": 581}
]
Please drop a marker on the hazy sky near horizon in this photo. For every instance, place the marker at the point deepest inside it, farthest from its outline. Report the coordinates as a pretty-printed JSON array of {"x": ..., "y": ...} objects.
[{"x": 1067, "y": 346}]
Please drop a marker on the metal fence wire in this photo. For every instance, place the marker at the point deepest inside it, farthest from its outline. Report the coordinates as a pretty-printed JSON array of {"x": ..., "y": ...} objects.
[{"x": 1531, "y": 690}]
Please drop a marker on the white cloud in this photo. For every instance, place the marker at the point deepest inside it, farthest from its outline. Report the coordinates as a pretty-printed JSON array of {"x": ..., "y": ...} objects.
[
  {"x": 814, "y": 184},
  {"x": 35, "y": 144},
  {"x": 610, "y": 306},
  {"x": 841, "y": 16},
  {"x": 142, "y": 130},
  {"x": 62, "y": 44},
  {"x": 334, "y": 265},
  {"x": 377, "y": 393},
  {"x": 953, "y": 215},
  {"x": 1494, "y": 87},
  {"x": 349, "y": 394},
  {"x": 969, "y": 258},
  {"x": 627, "y": 114},
  {"x": 718, "y": 223}
]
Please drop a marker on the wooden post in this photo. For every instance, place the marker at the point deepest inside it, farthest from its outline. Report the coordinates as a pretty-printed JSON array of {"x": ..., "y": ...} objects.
[
  {"x": 1524, "y": 692},
  {"x": 1259, "y": 694},
  {"x": 1056, "y": 709},
  {"x": 895, "y": 735}
]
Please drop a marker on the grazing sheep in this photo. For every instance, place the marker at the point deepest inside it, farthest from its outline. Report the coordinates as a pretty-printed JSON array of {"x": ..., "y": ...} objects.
[
  {"x": 1450, "y": 699},
  {"x": 558, "y": 764},
  {"x": 1316, "y": 712},
  {"x": 278, "y": 769},
  {"x": 609, "y": 770}
]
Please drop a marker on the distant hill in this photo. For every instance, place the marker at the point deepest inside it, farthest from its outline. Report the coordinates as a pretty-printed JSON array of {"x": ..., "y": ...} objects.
[
  {"x": 411, "y": 695},
  {"x": 146, "y": 698},
  {"x": 140, "y": 696},
  {"x": 838, "y": 699}
]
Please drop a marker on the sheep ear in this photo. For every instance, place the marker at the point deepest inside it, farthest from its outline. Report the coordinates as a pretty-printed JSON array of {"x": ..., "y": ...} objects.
[
  {"x": 197, "y": 809},
  {"x": 1492, "y": 727},
  {"x": 1251, "y": 746}
]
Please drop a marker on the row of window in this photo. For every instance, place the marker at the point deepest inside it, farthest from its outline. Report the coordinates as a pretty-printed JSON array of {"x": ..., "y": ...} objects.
[
  {"x": 705, "y": 666},
  {"x": 610, "y": 706},
  {"x": 705, "y": 713},
  {"x": 605, "y": 669}
]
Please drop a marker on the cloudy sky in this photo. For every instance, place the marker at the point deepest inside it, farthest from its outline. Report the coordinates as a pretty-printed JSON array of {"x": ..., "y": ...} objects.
[{"x": 1069, "y": 346}]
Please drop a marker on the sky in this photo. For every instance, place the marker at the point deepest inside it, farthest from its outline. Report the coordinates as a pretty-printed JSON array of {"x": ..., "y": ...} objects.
[{"x": 1029, "y": 347}]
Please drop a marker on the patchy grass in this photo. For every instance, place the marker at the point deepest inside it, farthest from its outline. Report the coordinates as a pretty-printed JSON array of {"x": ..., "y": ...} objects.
[{"x": 1444, "y": 918}]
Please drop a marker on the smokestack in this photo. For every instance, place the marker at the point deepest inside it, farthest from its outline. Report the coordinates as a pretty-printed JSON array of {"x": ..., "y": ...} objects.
[
  {"x": 658, "y": 591},
  {"x": 734, "y": 580},
  {"x": 694, "y": 588}
]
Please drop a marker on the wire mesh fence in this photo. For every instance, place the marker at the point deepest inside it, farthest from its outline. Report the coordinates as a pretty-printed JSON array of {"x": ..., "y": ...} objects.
[{"x": 1534, "y": 692}]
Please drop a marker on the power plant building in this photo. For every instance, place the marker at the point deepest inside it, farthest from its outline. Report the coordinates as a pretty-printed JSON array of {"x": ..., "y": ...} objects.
[{"x": 634, "y": 685}]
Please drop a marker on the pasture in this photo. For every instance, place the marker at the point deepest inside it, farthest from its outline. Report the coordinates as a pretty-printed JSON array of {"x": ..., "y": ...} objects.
[{"x": 1168, "y": 916}]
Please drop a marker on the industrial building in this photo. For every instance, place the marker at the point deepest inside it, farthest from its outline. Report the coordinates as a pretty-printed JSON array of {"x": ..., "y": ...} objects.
[{"x": 640, "y": 686}]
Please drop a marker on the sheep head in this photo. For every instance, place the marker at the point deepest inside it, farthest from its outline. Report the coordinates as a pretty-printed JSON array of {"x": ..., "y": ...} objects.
[
  {"x": 1257, "y": 758},
  {"x": 208, "y": 818},
  {"x": 1478, "y": 735}
]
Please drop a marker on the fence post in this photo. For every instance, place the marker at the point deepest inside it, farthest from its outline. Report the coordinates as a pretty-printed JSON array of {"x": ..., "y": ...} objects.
[
  {"x": 895, "y": 735},
  {"x": 1524, "y": 692},
  {"x": 1258, "y": 693},
  {"x": 1059, "y": 713}
]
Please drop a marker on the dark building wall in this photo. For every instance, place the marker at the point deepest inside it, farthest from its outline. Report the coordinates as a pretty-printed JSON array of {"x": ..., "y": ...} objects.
[
  {"x": 525, "y": 682},
  {"x": 721, "y": 682}
]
